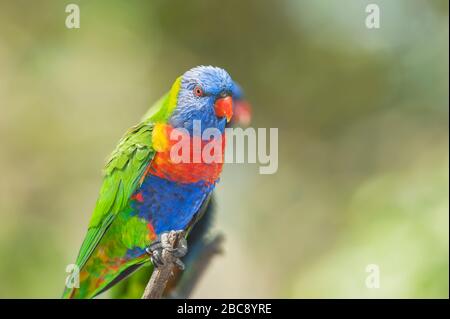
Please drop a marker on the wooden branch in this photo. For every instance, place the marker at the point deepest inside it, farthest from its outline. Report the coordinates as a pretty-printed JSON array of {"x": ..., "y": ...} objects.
[{"x": 161, "y": 275}]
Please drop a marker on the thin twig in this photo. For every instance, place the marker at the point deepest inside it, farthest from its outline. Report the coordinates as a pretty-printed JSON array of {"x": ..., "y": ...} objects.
[{"x": 161, "y": 275}]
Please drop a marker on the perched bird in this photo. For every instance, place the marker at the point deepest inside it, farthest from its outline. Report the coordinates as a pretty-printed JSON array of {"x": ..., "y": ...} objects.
[
  {"x": 144, "y": 193},
  {"x": 133, "y": 286}
]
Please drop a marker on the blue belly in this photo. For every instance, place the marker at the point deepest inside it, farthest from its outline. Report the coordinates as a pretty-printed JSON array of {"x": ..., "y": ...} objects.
[{"x": 169, "y": 205}]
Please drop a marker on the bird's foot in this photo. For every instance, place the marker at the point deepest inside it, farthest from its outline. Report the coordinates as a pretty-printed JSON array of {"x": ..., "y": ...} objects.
[{"x": 170, "y": 246}]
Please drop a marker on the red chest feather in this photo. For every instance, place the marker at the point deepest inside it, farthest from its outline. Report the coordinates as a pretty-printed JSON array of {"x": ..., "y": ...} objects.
[{"x": 185, "y": 159}]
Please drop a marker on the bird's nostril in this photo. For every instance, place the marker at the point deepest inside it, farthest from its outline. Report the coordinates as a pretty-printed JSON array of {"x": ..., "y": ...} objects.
[{"x": 224, "y": 94}]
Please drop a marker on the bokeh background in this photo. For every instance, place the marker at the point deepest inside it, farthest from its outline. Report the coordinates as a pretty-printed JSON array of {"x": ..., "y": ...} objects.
[{"x": 363, "y": 137}]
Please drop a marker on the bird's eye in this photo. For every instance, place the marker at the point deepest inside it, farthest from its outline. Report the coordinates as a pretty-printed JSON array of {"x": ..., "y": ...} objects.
[{"x": 198, "y": 91}]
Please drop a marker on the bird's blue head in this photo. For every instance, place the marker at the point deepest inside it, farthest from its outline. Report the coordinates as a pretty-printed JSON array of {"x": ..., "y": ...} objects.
[{"x": 206, "y": 95}]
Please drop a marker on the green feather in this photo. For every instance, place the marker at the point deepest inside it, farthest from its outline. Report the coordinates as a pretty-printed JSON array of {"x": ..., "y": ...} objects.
[
  {"x": 123, "y": 171},
  {"x": 122, "y": 175}
]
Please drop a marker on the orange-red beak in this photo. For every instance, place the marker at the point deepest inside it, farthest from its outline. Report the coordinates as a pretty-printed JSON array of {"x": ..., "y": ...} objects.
[{"x": 224, "y": 107}]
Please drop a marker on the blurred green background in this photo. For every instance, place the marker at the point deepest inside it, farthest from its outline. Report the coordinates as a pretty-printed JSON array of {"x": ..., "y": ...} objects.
[{"x": 363, "y": 137}]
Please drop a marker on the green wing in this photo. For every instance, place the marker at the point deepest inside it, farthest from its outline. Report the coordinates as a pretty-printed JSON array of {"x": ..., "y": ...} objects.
[
  {"x": 124, "y": 170},
  {"x": 122, "y": 175}
]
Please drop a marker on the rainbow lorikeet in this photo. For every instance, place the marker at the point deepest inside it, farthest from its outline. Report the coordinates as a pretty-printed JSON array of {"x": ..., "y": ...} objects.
[
  {"x": 181, "y": 282},
  {"x": 134, "y": 285},
  {"x": 144, "y": 193}
]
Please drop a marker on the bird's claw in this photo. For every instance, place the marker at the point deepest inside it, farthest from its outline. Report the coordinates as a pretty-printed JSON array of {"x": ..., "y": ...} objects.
[{"x": 155, "y": 250}]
